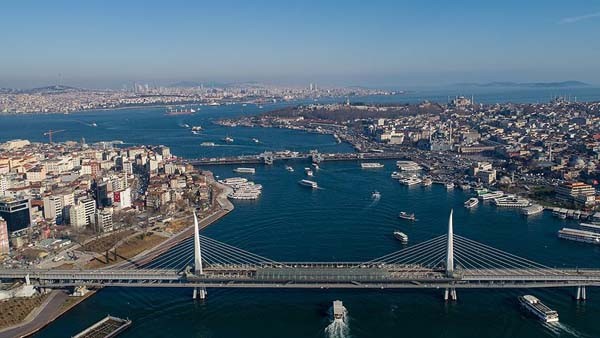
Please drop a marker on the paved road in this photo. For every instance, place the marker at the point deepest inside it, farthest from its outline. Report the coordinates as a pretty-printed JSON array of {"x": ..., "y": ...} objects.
[{"x": 45, "y": 314}]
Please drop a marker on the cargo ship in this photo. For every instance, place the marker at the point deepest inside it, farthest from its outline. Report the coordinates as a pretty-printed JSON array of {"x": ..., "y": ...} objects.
[{"x": 538, "y": 309}]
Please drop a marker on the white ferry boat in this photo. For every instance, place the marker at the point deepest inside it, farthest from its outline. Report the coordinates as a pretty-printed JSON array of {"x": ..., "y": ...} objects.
[
  {"x": 371, "y": 165},
  {"x": 244, "y": 195},
  {"x": 405, "y": 215},
  {"x": 491, "y": 195},
  {"x": 511, "y": 201},
  {"x": 538, "y": 309},
  {"x": 338, "y": 310},
  {"x": 408, "y": 166},
  {"x": 533, "y": 209},
  {"x": 309, "y": 183},
  {"x": 402, "y": 237},
  {"x": 234, "y": 181},
  {"x": 288, "y": 168},
  {"x": 579, "y": 235},
  {"x": 244, "y": 170},
  {"x": 207, "y": 144},
  {"x": 471, "y": 203},
  {"x": 590, "y": 227},
  {"x": 410, "y": 181}
]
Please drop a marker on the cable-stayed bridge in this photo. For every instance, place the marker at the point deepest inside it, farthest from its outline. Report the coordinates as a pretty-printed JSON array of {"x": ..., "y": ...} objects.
[{"x": 447, "y": 262}]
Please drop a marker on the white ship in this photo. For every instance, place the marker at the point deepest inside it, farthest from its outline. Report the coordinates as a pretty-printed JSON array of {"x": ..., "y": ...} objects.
[
  {"x": 233, "y": 181},
  {"x": 491, "y": 195},
  {"x": 471, "y": 202},
  {"x": 402, "y": 237},
  {"x": 579, "y": 235},
  {"x": 405, "y": 215},
  {"x": 396, "y": 175},
  {"x": 533, "y": 209},
  {"x": 244, "y": 195},
  {"x": 316, "y": 166},
  {"x": 255, "y": 140},
  {"x": 308, "y": 183},
  {"x": 308, "y": 172},
  {"x": 538, "y": 309},
  {"x": 288, "y": 168},
  {"x": 228, "y": 139},
  {"x": 376, "y": 195},
  {"x": 511, "y": 201},
  {"x": 371, "y": 165},
  {"x": 410, "y": 181},
  {"x": 207, "y": 144},
  {"x": 449, "y": 186},
  {"x": 196, "y": 128},
  {"x": 338, "y": 310},
  {"x": 244, "y": 170},
  {"x": 408, "y": 166}
]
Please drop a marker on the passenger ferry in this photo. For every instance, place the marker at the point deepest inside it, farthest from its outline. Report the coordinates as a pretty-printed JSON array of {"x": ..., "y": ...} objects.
[
  {"x": 244, "y": 170},
  {"x": 408, "y": 166},
  {"x": 405, "y": 215},
  {"x": 590, "y": 227},
  {"x": 233, "y": 181},
  {"x": 579, "y": 235},
  {"x": 533, "y": 209},
  {"x": 538, "y": 309},
  {"x": 511, "y": 201},
  {"x": 309, "y": 183},
  {"x": 207, "y": 144},
  {"x": 338, "y": 310},
  {"x": 410, "y": 181},
  {"x": 371, "y": 165},
  {"x": 401, "y": 236},
  {"x": 471, "y": 202},
  {"x": 491, "y": 195}
]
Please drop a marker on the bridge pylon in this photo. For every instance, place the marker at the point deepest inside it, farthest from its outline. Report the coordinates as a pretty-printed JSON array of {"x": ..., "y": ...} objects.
[
  {"x": 450, "y": 294},
  {"x": 580, "y": 293},
  {"x": 197, "y": 252},
  {"x": 199, "y": 293},
  {"x": 450, "y": 248}
]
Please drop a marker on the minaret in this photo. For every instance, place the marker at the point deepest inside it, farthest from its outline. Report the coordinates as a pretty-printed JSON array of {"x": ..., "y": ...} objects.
[
  {"x": 197, "y": 252},
  {"x": 450, "y": 249}
]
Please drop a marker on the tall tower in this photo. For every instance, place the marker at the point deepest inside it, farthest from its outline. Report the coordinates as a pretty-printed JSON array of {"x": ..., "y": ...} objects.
[
  {"x": 197, "y": 252},
  {"x": 450, "y": 248}
]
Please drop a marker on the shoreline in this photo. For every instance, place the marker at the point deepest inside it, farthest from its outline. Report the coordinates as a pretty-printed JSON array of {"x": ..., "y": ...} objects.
[{"x": 223, "y": 207}]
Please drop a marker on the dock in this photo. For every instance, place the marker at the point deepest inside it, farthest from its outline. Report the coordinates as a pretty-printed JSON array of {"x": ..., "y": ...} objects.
[{"x": 106, "y": 328}]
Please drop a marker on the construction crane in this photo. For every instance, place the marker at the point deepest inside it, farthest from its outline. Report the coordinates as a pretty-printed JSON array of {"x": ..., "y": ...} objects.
[{"x": 50, "y": 132}]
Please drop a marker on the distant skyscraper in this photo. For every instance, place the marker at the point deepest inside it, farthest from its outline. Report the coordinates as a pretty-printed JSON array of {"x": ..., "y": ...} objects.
[{"x": 311, "y": 87}]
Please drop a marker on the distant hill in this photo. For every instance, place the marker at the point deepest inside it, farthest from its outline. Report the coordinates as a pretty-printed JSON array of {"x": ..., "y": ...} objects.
[
  {"x": 191, "y": 84},
  {"x": 562, "y": 84}
]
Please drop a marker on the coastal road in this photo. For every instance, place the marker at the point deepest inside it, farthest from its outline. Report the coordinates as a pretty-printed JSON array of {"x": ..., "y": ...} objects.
[{"x": 39, "y": 317}]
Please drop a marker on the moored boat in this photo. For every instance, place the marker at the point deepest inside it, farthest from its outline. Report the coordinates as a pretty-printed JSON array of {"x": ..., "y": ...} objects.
[
  {"x": 402, "y": 237},
  {"x": 471, "y": 203}
]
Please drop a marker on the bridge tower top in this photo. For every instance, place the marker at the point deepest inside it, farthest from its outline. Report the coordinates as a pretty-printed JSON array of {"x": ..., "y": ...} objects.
[
  {"x": 450, "y": 248},
  {"x": 197, "y": 252}
]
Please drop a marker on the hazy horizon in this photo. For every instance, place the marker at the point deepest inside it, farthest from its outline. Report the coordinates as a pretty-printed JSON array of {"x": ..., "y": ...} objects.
[{"x": 382, "y": 44}]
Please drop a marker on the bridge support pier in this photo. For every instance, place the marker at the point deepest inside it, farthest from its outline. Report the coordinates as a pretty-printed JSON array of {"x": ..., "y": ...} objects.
[
  {"x": 450, "y": 294},
  {"x": 580, "y": 293},
  {"x": 200, "y": 293}
]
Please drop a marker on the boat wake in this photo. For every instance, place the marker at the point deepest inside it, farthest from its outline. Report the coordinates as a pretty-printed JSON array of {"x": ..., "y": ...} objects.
[{"x": 561, "y": 329}]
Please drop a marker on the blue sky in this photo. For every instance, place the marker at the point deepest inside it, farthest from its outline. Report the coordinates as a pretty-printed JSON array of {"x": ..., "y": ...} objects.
[{"x": 376, "y": 43}]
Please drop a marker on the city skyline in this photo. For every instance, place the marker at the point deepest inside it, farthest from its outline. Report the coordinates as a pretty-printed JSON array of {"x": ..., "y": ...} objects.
[{"x": 384, "y": 44}]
